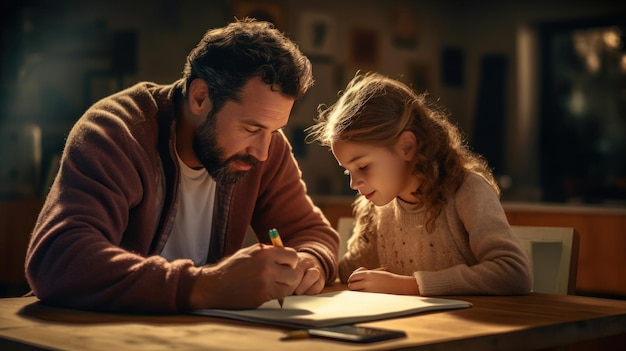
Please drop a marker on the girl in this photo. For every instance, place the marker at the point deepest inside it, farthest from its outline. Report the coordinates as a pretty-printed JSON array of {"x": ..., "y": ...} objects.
[{"x": 428, "y": 218}]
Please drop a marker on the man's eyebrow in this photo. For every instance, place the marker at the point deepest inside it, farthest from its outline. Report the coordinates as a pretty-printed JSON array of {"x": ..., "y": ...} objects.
[
  {"x": 260, "y": 125},
  {"x": 254, "y": 123}
]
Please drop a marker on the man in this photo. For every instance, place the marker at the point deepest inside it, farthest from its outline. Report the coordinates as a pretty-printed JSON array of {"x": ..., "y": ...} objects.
[{"x": 158, "y": 185}]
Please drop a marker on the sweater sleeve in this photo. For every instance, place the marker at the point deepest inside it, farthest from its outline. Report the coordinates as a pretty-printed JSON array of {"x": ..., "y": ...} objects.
[
  {"x": 502, "y": 267},
  {"x": 90, "y": 246}
]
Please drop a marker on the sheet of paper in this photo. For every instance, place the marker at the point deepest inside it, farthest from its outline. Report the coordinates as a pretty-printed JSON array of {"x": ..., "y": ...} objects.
[{"x": 335, "y": 308}]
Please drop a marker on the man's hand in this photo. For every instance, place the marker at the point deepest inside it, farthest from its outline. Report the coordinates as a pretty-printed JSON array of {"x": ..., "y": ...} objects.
[
  {"x": 248, "y": 278},
  {"x": 311, "y": 273},
  {"x": 380, "y": 281}
]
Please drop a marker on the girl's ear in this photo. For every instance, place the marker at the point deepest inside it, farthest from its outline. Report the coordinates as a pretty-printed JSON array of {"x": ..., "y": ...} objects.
[
  {"x": 407, "y": 145},
  {"x": 199, "y": 101}
]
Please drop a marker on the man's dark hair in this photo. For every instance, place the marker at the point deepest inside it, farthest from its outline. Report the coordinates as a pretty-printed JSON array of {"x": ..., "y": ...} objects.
[{"x": 226, "y": 58}]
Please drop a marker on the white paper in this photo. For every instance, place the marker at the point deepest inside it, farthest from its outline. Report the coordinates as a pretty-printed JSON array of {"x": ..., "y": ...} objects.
[{"x": 335, "y": 308}]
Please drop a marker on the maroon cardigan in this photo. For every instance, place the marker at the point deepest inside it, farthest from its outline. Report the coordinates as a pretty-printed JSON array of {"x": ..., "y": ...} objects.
[{"x": 107, "y": 216}]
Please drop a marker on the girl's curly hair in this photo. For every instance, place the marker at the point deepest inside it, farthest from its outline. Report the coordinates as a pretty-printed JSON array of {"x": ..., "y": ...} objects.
[{"x": 375, "y": 109}]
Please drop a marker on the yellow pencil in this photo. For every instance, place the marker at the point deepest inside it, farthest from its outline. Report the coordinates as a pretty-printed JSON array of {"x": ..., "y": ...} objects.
[{"x": 276, "y": 241}]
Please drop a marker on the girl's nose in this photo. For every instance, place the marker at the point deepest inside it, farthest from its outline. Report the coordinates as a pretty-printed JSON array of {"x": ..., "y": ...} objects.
[{"x": 355, "y": 183}]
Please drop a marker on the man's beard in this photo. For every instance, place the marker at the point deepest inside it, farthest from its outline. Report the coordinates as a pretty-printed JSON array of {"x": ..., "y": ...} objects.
[{"x": 211, "y": 155}]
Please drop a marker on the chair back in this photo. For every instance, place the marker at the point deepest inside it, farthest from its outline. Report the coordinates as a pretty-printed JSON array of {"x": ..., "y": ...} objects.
[
  {"x": 553, "y": 253},
  {"x": 345, "y": 226}
]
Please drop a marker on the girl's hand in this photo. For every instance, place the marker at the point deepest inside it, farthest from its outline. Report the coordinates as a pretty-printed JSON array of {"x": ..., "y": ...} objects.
[{"x": 380, "y": 281}]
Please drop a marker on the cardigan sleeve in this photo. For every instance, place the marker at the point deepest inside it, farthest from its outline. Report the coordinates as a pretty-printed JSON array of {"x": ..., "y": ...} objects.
[
  {"x": 90, "y": 248},
  {"x": 503, "y": 267}
]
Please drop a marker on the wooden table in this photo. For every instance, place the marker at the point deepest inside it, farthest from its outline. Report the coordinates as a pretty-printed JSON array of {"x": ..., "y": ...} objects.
[{"x": 492, "y": 323}]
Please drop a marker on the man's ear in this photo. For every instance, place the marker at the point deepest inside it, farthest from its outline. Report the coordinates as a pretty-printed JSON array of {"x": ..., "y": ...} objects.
[
  {"x": 199, "y": 101},
  {"x": 407, "y": 145}
]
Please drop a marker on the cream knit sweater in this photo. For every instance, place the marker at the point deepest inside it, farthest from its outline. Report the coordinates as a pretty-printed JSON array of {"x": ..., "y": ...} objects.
[{"x": 472, "y": 250}]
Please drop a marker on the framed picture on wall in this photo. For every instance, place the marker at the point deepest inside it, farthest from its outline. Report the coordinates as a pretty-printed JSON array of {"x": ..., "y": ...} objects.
[
  {"x": 364, "y": 48},
  {"x": 404, "y": 26},
  {"x": 418, "y": 76},
  {"x": 271, "y": 11},
  {"x": 316, "y": 35},
  {"x": 452, "y": 66}
]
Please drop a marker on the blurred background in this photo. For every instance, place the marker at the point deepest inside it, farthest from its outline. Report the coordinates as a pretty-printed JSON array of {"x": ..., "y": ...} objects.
[{"x": 537, "y": 87}]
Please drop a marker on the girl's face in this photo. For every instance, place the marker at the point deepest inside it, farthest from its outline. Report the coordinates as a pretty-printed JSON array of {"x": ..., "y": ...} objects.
[{"x": 379, "y": 173}]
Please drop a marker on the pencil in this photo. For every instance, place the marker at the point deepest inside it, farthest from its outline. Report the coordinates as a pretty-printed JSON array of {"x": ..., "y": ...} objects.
[
  {"x": 276, "y": 241},
  {"x": 296, "y": 335}
]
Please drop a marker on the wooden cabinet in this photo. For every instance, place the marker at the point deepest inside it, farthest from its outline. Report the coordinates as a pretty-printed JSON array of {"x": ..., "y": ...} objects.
[
  {"x": 17, "y": 219},
  {"x": 602, "y": 241},
  {"x": 601, "y": 267}
]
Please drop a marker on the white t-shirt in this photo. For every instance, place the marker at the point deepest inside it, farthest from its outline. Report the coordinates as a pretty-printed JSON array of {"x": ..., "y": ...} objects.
[{"x": 191, "y": 233}]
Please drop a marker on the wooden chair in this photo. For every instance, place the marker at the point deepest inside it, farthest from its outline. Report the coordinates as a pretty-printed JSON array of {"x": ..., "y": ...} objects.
[{"x": 553, "y": 253}]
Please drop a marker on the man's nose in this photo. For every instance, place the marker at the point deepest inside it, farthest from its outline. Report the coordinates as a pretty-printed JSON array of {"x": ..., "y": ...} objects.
[{"x": 260, "y": 146}]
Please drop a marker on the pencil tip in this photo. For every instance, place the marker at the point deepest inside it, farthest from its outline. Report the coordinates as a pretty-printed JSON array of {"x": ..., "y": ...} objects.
[{"x": 295, "y": 335}]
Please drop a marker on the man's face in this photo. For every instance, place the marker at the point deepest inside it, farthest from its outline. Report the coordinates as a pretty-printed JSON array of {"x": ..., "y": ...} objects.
[{"x": 232, "y": 141}]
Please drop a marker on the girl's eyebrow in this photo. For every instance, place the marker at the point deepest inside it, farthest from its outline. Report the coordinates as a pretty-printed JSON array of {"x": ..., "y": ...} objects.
[{"x": 354, "y": 159}]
